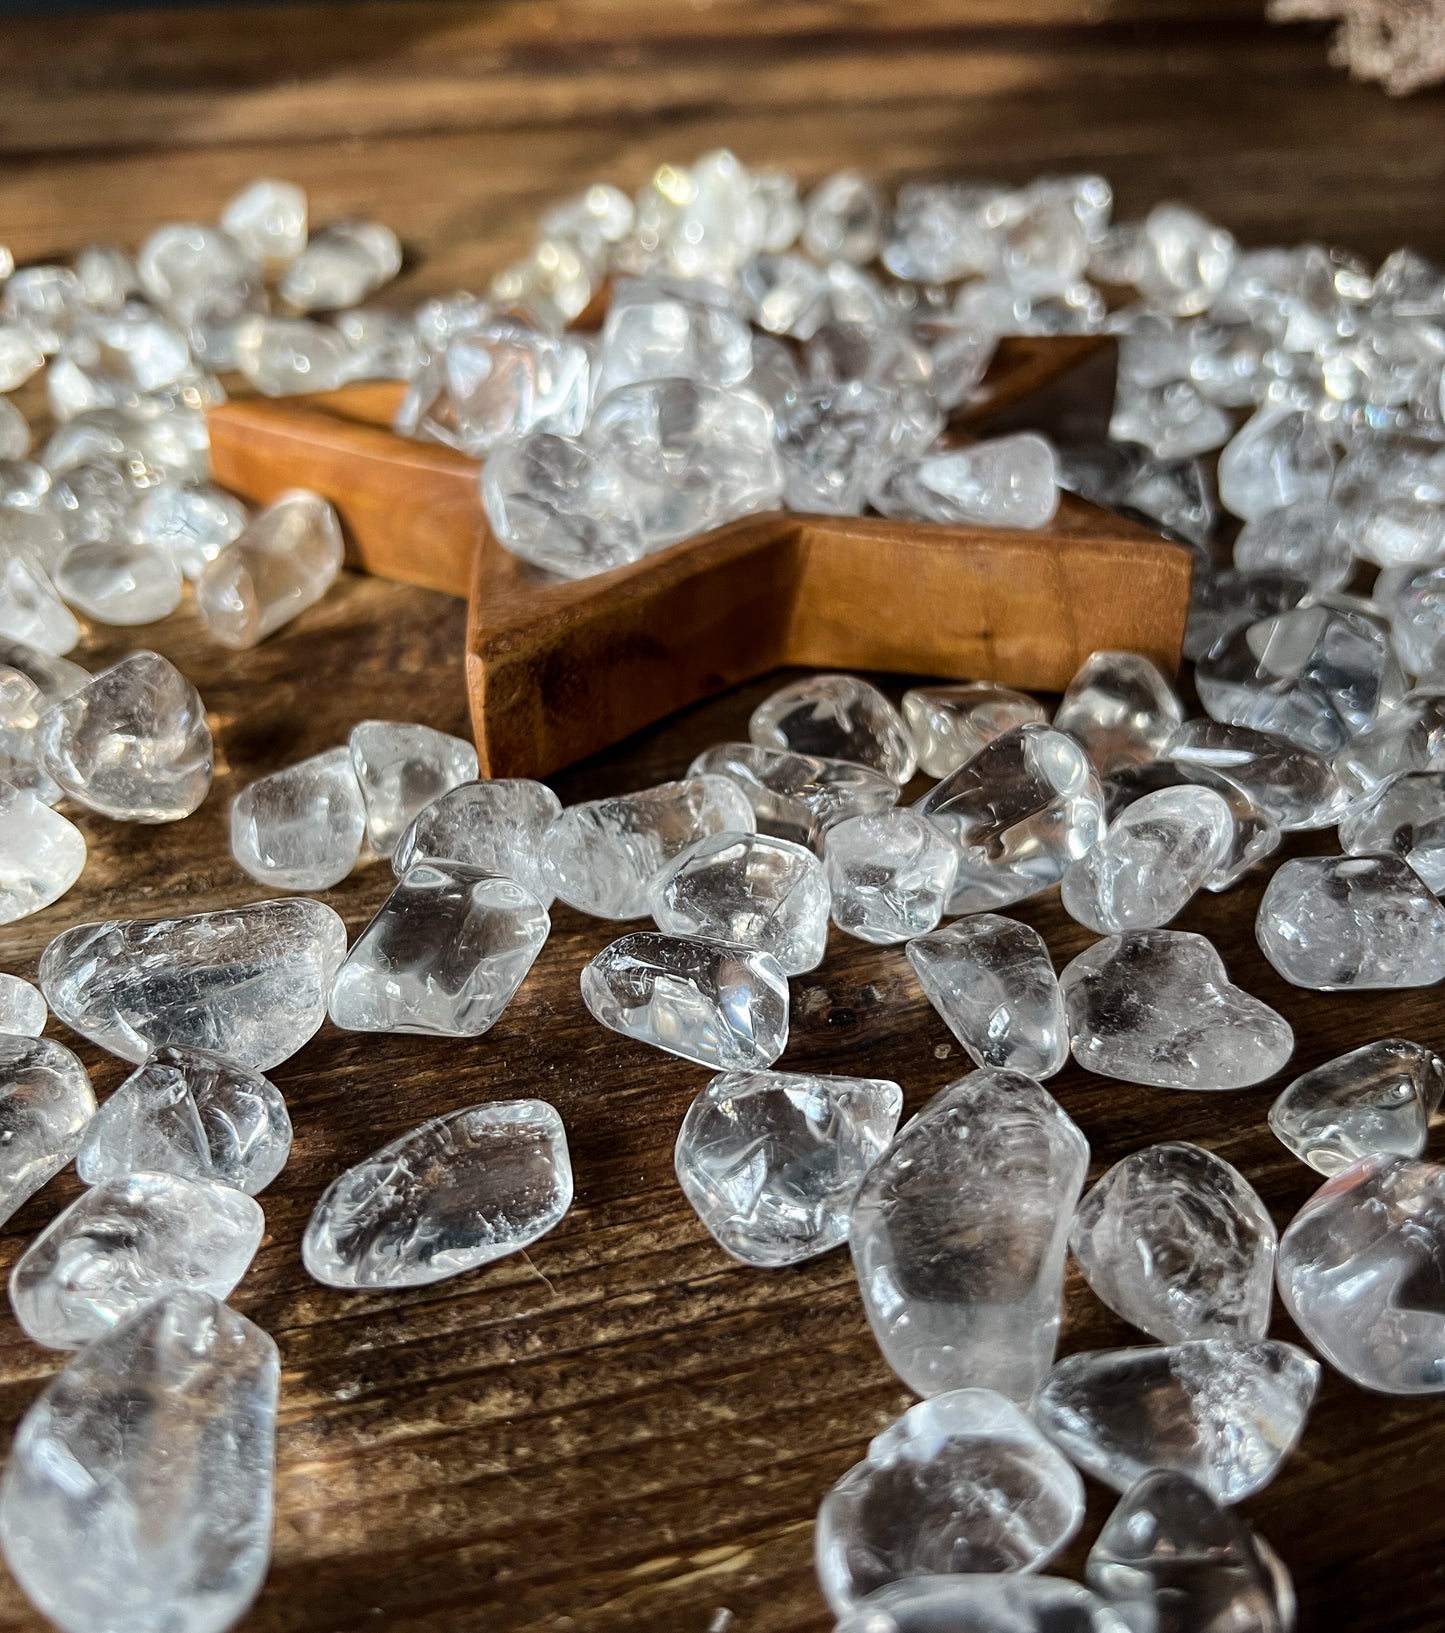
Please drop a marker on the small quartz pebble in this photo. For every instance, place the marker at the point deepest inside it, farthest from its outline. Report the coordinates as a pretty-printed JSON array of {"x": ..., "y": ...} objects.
[
  {"x": 1275, "y": 459},
  {"x": 444, "y": 955},
  {"x": 837, "y": 717},
  {"x": 950, "y": 724},
  {"x": 132, "y": 743},
  {"x": 1253, "y": 833},
  {"x": 992, "y": 980},
  {"x": 1157, "y": 1007},
  {"x": 268, "y": 220},
  {"x": 605, "y": 854},
  {"x": 1005, "y": 482},
  {"x": 192, "y": 525},
  {"x": 497, "y": 826},
  {"x": 456, "y": 1193},
  {"x": 751, "y": 890},
  {"x": 246, "y": 983},
  {"x": 301, "y": 828},
  {"x": 283, "y": 563},
  {"x": 1408, "y": 738},
  {"x": 1309, "y": 541},
  {"x": 45, "y": 1103},
  {"x": 283, "y": 357},
  {"x": 1293, "y": 784},
  {"x": 1121, "y": 708},
  {"x": 771, "y": 1161},
  {"x": 186, "y": 1112},
  {"x": 1342, "y": 923},
  {"x": 30, "y": 610},
  {"x": 402, "y": 768},
  {"x": 714, "y": 1004},
  {"x": 1224, "y": 1412},
  {"x": 797, "y": 796},
  {"x": 138, "y": 1492},
  {"x": 42, "y": 853},
  {"x": 341, "y": 265},
  {"x": 960, "y": 1483},
  {"x": 125, "y": 1242},
  {"x": 959, "y": 1234},
  {"x": 23, "y": 1011},
  {"x": 1176, "y": 1241},
  {"x": 1405, "y": 818},
  {"x": 982, "y": 1603},
  {"x": 1376, "y": 1100},
  {"x": 119, "y": 581},
  {"x": 890, "y": 873}
]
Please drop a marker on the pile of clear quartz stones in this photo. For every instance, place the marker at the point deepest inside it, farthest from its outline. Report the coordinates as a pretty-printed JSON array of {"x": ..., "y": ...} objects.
[{"x": 759, "y": 349}]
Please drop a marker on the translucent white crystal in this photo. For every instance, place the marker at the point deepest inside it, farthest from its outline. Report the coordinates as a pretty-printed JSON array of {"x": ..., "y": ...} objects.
[
  {"x": 1408, "y": 738},
  {"x": 784, "y": 294},
  {"x": 1253, "y": 833},
  {"x": 21, "y": 355},
  {"x": 1007, "y": 482},
  {"x": 247, "y": 983},
  {"x": 980, "y": 1603},
  {"x": 1157, "y": 1006},
  {"x": 107, "y": 276},
  {"x": 960, "y": 1483},
  {"x": 341, "y": 266},
  {"x": 283, "y": 357},
  {"x": 1414, "y": 598},
  {"x": 959, "y": 1234},
  {"x": 23, "y": 1011},
  {"x": 14, "y": 431},
  {"x": 551, "y": 285},
  {"x": 504, "y": 379},
  {"x": 1307, "y": 540},
  {"x": 1173, "y": 421},
  {"x": 843, "y": 219},
  {"x": 125, "y": 1242},
  {"x": 942, "y": 231},
  {"x": 268, "y": 220},
  {"x": 950, "y": 724},
  {"x": 1225, "y": 1412},
  {"x": 30, "y": 610},
  {"x": 837, "y": 442},
  {"x": 1375, "y": 1099},
  {"x": 45, "y": 1103},
  {"x": 497, "y": 826},
  {"x": 1224, "y": 601},
  {"x": 771, "y": 1161},
  {"x": 401, "y": 769},
  {"x": 120, "y": 581},
  {"x": 661, "y": 330},
  {"x": 837, "y": 717},
  {"x": 138, "y": 1493},
  {"x": 1275, "y": 459},
  {"x": 198, "y": 275},
  {"x": 1181, "y": 260},
  {"x": 1404, "y": 818},
  {"x": 890, "y": 873},
  {"x": 797, "y": 796},
  {"x": 283, "y": 563},
  {"x": 456, "y": 1193},
  {"x": 715, "y": 1004},
  {"x": 1293, "y": 784},
  {"x": 1121, "y": 708},
  {"x": 301, "y": 828},
  {"x": 41, "y": 853}
]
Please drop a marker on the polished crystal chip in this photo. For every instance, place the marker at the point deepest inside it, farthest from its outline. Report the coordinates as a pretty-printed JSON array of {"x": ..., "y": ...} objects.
[
  {"x": 837, "y": 442},
  {"x": 959, "y": 1235},
  {"x": 843, "y": 219},
  {"x": 1338, "y": 923},
  {"x": 45, "y": 1103},
  {"x": 797, "y": 796},
  {"x": 21, "y": 355},
  {"x": 401, "y": 769},
  {"x": 960, "y": 1483},
  {"x": 784, "y": 294},
  {"x": 1276, "y": 459},
  {"x": 497, "y": 826},
  {"x": 30, "y": 610},
  {"x": 1223, "y": 1411},
  {"x": 1177, "y": 1242},
  {"x": 1414, "y": 598},
  {"x": 138, "y": 1493},
  {"x": 1006, "y": 482},
  {"x": 23, "y": 1011},
  {"x": 456, "y": 1193},
  {"x": 268, "y": 220},
  {"x": 981, "y": 1603},
  {"x": 771, "y": 1161},
  {"x": 709, "y": 1002},
  {"x": 301, "y": 828},
  {"x": 14, "y": 431},
  {"x": 1293, "y": 784},
  {"x": 667, "y": 330},
  {"x": 1253, "y": 833},
  {"x": 341, "y": 266},
  {"x": 950, "y": 724},
  {"x": 1157, "y": 1007},
  {"x": 53, "y": 677},
  {"x": 1173, "y": 421},
  {"x": 283, "y": 563},
  {"x": 1377, "y": 1099},
  {"x": 247, "y": 983},
  {"x": 1222, "y": 602},
  {"x": 751, "y": 890},
  {"x": 837, "y": 717},
  {"x": 198, "y": 275},
  {"x": 285, "y": 357},
  {"x": 1121, "y": 708},
  {"x": 992, "y": 980},
  {"x": 1308, "y": 541},
  {"x": 1405, "y": 818},
  {"x": 119, "y": 581},
  {"x": 125, "y": 1242},
  {"x": 1180, "y": 260},
  {"x": 41, "y": 853},
  {"x": 133, "y": 743},
  {"x": 890, "y": 873},
  {"x": 1409, "y": 737},
  {"x": 1020, "y": 811},
  {"x": 603, "y": 855},
  {"x": 504, "y": 379}
]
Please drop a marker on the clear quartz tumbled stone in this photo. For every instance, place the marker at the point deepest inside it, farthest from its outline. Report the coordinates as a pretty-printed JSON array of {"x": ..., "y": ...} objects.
[
  {"x": 1375, "y": 1100},
  {"x": 1006, "y": 482},
  {"x": 193, "y": 525},
  {"x": 1308, "y": 541},
  {"x": 268, "y": 219},
  {"x": 283, "y": 563},
  {"x": 1253, "y": 834},
  {"x": 1177, "y": 1242},
  {"x": 1225, "y": 1412},
  {"x": 401, "y": 769},
  {"x": 838, "y": 717},
  {"x": 456, "y": 1193},
  {"x": 959, "y": 1234},
  {"x": 301, "y": 828},
  {"x": 1275, "y": 459},
  {"x": 1121, "y": 708},
  {"x": 709, "y": 1002},
  {"x": 45, "y": 1103},
  {"x": 341, "y": 265},
  {"x": 119, "y": 581},
  {"x": 42, "y": 853},
  {"x": 797, "y": 796},
  {"x": 960, "y": 1483},
  {"x": 1404, "y": 818},
  {"x": 138, "y": 1493},
  {"x": 23, "y": 1010},
  {"x": 844, "y": 219},
  {"x": 950, "y": 724},
  {"x": 496, "y": 826},
  {"x": 125, "y": 1242},
  {"x": 1410, "y": 737},
  {"x": 1293, "y": 784},
  {"x": 978, "y": 1602},
  {"x": 285, "y": 357},
  {"x": 771, "y": 1161},
  {"x": 890, "y": 874}
]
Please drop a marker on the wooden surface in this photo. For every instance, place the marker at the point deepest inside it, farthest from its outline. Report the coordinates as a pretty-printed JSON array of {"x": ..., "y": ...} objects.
[{"x": 624, "y": 1430}]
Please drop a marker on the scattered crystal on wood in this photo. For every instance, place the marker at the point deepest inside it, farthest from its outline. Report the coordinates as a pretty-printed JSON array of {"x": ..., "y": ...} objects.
[
  {"x": 42, "y": 853},
  {"x": 1121, "y": 708},
  {"x": 23, "y": 1010},
  {"x": 401, "y": 769},
  {"x": 496, "y": 826},
  {"x": 1375, "y": 1100},
  {"x": 283, "y": 563},
  {"x": 1294, "y": 784},
  {"x": 981, "y": 1603},
  {"x": 890, "y": 873},
  {"x": 950, "y": 724},
  {"x": 797, "y": 796},
  {"x": 1404, "y": 818},
  {"x": 301, "y": 828},
  {"x": 837, "y": 717}
]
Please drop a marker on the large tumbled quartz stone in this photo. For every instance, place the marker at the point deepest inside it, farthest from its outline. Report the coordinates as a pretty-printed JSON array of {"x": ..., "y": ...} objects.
[
  {"x": 23, "y": 1010},
  {"x": 1376, "y": 1100},
  {"x": 992, "y": 980},
  {"x": 961, "y": 1483},
  {"x": 42, "y": 853},
  {"x": 771, "y": 1161},
  {"x": 748, "y": 889},
  {"x": 950, "y": 724},
  {"x": 444, "y": 956},
  {"x": 301, "y": 828},
  {"x": 1340, "y": 923},
  {"x": 1358, "y": 1272},
  {"x": 125, "y": 1242},
  {"x": 959, "y": 1234},
  {"x": 1020, "y": 811},
  {"x": 604, "y": 854},
  {"x": 1121, "y": 708},
  {"x": 138, "y": 1494},
  {"x": 712, "y": 1003},
  {"x": 1177, "y": 1242},
  {"x": 283, "y": 563},
  {"x": 456, "y": 1193},
  {"x": 45, "y": 1103},
  {"x": 1408, "y": 738},
  {"x": 981, "y": 1603},
  {"x": 797, "y": 796},
  {"x": 1158, "y": 1007},
  {"x": 402, "y": 768},
  {"x": 133, "y": 743},
  {"x": 496, "y": 827},
  {"x": 836, "y": 717},
  {"x": 187, "y": 1112},
  {"x": 1224, "y": 1412},
  {"x": 891, "y": 874},
  {"x": 247, "y": 983}
]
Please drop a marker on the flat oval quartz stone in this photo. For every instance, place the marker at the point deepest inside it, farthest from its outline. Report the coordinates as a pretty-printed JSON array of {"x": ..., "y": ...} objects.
[
  {"x": 950, "y": 724},
  {"x": 187, "y": 1112},
  {"x": 1121, "y": 708},
  {"x": 138, "y": 1494},
  {"x": 709, "y": 1002},
  {"x": 1158, "y": 1007},
  {"x": 1359, "y": 1273},
  {"x": 982, "y": 1603},
  {"x": 45, "y": 1103},
  {"x": 1225, "y": 1413},
  {"x": 247, "y": 983},
  {"x": 456, "y": 1193},
  {"x": 959, "y": 1235},
  {"x": 301, "y": 828},
  {"x": 1177, "y": 1241},
  {"x": 890, "y": 873},
  {"x": 125, "y": 1242},
  {"x": 497, "y": 826},
  {"x": 42, "y": 853},
  {"x": 837, "y": 717},
  {"x": 402, "y": 768},
  {"x": 961, "y": 1483},
  {"x": 797, "y": 796},
  {"x": 1376, "y": 1100},
  {"x": 132, "y": 743},
  {"x": 23, "y": 1010},
  {"x": 771, "y": 1161}
]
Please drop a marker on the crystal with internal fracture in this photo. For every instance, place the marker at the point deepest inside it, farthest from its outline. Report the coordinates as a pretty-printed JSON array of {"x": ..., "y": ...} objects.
[
  {"x": 1121, "y": 708},
  {"x": 890, "y": 874},
  {"x": 1253, "y": 834},
  {"x": 119, "y": 581},
  {"x": 42, "y": 853},
  {"x": 1007, "y": 482},
  {"x": 1275, "y": 459},
  {"x": 950, "y": 724},
  {"x": 797, "y": 796},
  {"x": 1375, "y": 1100},
  {"x": 283, "y": 563},
  {"x": 401, "y": 769},
  {"x": 496, "y": 826},
  {"x": 23, "y": 1010},
  {"x": 1404, "y": 818},
  {"x": 45, "y": 1103},
  {"x": 837, "y": 717},
  {"x": 1293, "y": 784},
  {"x": 301, "y": 828}
]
